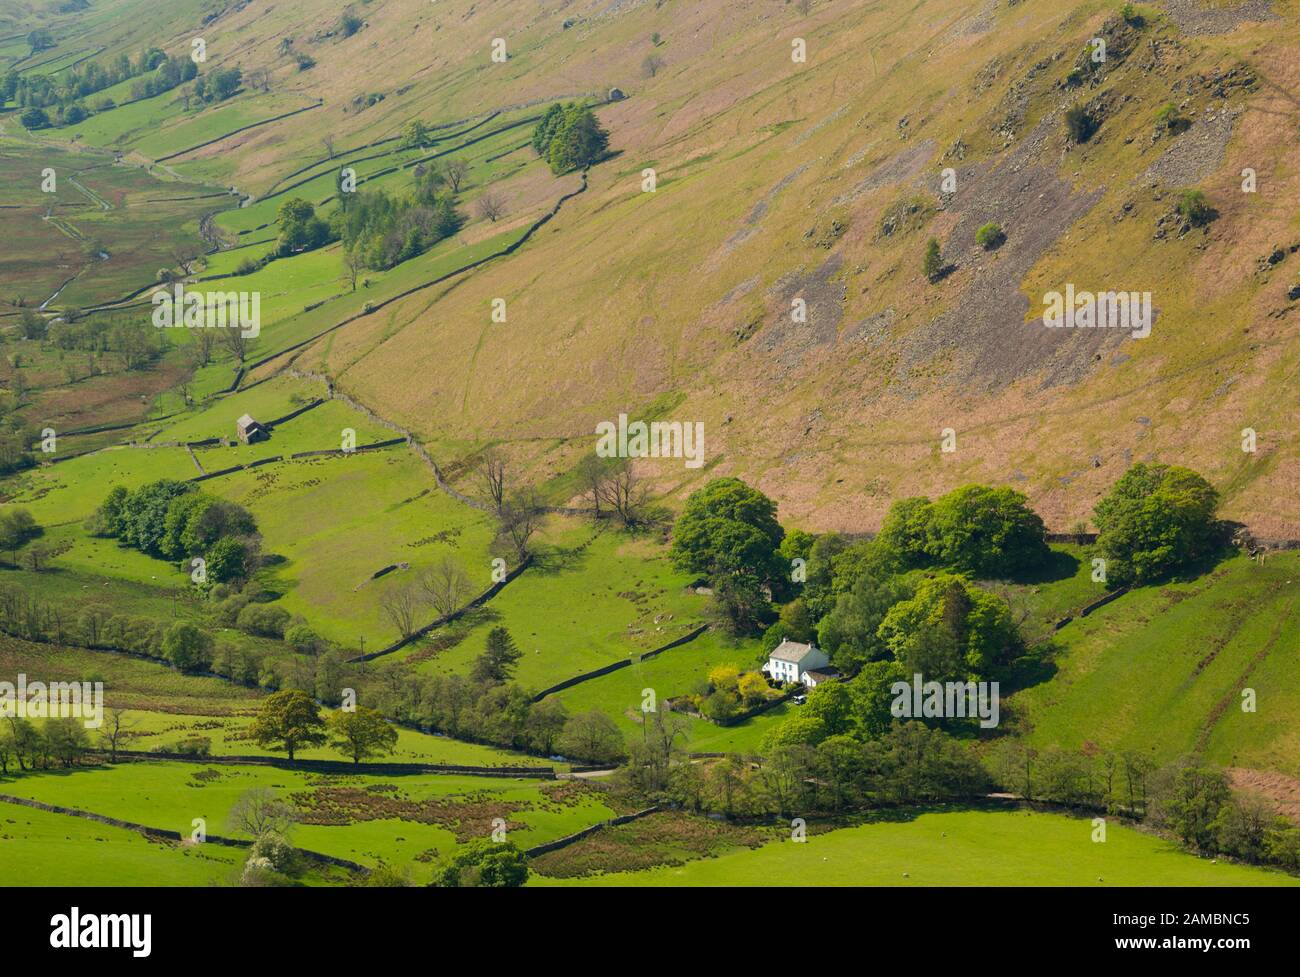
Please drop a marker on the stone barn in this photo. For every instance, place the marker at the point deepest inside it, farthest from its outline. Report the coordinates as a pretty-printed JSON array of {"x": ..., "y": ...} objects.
[{"x": 250, "y": 431}]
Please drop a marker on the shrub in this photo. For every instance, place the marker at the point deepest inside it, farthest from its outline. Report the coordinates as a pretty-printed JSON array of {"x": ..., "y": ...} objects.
[
  {"x": 1194, "y": 207},
  {"x": 350, "y": 23},
  {"x": 263, "y": 620},
  {"x": 1170, "y": 119},
  {"x": 990, "y": 236},
  {"x": 1079, "y": 124},
  {"x": 303, "y": 639},
  {"x": 193, "y": 746},
  {"x": 932, "y": 262}
]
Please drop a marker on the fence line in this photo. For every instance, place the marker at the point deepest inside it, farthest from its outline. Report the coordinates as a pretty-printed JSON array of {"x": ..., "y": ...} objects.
[
  {"x": 615, "y": 666},
  {"x": 568, "y": 840},
  {"x": 478, "y": 601}
]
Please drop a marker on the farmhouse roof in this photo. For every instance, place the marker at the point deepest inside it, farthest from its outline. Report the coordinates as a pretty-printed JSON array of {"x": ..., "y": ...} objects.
[
  {"x": 792, "y": 651},
  {"x": 247, "y": 421},
  {"x": 823, "y": 674}
]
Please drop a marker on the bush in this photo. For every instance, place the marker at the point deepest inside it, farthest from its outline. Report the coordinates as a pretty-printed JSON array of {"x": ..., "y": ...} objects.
[
  {"x": 1169, "y": 119},
  {"x": 263, "y": 620},
  {"x": 192, "y": 746},
  {"x": 932, "y": 262},
  {"x": 303, "y": 640},
  {"x": 228, "y": 609},
  {"x": 990, "y": 236},
  {"x": 1079, "y": 124},
  {"x": 1194, "y": 207}
]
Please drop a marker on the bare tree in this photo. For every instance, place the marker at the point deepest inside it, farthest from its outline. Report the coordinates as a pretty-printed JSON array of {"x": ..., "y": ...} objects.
[
  {"x": 491, "y": 205},
  {"x": 493, "y": 468},
  {"x": 258, "y": 811},
  {"x": 400, "y": 605},
  {"x": 185, "y": 256},
  {"x": 592, "y": 472},
  {"x": 259, "y": 79},
  {"x": 652, "y": 65},
  {"x": 237, "y": 343},
  {"x": 455, "y": 171},
  {"x": 624, "y": 493},
  {"x": 447, "y": 586},
  {"x": 520, "y": 517},
  {"x": 114, "y": 731},
  {"x": 201, "y": 347},
  {"x": 327, "y": 142}
]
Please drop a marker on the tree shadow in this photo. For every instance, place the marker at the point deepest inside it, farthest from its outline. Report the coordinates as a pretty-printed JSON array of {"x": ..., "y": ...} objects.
[
  {"x": 1036, "y": 666},
  {"x": 1057, "y": 566}
]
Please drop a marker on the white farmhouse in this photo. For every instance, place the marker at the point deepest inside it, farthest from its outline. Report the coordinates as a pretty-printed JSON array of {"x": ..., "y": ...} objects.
[{"x": 791, "y": 661}]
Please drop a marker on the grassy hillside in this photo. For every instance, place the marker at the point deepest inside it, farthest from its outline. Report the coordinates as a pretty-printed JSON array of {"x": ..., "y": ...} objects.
[{"x": 954, "y": 848}]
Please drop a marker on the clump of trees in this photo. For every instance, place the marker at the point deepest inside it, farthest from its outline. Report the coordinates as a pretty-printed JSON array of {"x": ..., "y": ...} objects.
[
  {"x": 484, "y": 864},
  {"x": 570, "y": 137},
  {"x": 908, "y": 764},
  {"x": 173, "y": 520},
  {"x": 1155, "y": 521},
  {"x": 219, "y": 86},
  {"x": 979, "y": 530},
  {"x": 18, "y": 527},
  {"x": 382, "y": 230},
  {"x": 59, "y": 99},
  {"x": 25, "y": 746},
  {"x": 300, "y": 228},
  {"x": 1186, "y": 798}
]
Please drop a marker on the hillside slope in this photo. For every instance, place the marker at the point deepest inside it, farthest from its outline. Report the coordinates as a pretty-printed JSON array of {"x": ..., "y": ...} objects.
[{"x": 822, "y": 181}]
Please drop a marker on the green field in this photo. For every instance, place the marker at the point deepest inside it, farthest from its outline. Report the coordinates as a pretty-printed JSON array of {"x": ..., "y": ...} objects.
[
  {"x": 1161, "y": 669},
  {"x": 966, "y": 848},
  {"x": 39, "y": 848},
  {"x": 368, "y": 819}
]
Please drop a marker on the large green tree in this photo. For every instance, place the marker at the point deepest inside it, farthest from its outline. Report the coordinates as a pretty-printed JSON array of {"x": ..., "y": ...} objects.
[
  {"x": 727, "y": 527},
  {"x": 1156, "y": 520},
  {"x": 289, "y": 721},
  {"x": 983, "y": 531},
  {"x": 361, "y": 733}
]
